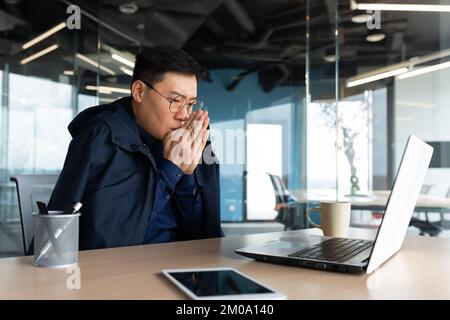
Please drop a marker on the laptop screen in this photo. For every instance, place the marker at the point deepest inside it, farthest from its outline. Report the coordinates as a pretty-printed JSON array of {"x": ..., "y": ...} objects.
[{"x": 402, "y": 200}]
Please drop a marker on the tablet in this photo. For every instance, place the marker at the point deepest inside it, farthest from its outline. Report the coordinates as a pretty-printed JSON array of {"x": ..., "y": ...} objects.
[{"x": 219, "y": 283}]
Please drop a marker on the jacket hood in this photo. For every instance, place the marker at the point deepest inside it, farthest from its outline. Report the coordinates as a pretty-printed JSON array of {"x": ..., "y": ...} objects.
[{"x": 94, "y": 115}]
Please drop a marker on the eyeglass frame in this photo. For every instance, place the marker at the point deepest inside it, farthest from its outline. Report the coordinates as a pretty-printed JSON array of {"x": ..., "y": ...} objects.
[{"x": 169, "y": 99}]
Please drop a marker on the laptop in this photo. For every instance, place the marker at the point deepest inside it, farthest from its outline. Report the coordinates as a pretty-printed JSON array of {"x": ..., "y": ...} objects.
[{"x": 355, "y": 255}]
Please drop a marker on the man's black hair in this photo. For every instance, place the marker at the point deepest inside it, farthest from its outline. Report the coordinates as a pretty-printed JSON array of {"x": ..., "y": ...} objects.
[{"x": 152, "y": 63}]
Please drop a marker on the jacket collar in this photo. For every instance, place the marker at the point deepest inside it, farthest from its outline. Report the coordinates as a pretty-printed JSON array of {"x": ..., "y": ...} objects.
[{"x": 124, "y": 128}]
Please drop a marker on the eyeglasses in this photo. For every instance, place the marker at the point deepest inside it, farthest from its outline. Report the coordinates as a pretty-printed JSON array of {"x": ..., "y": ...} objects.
[{"x": 179, "y": 102}]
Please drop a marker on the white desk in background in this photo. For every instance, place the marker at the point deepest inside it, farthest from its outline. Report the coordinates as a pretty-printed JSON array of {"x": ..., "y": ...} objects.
[{"x": 374, "y": 200}]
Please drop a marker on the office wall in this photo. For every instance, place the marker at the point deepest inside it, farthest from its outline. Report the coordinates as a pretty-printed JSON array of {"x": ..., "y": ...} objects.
[
  {"x": 230, "y": 110},
  {"x": 224, "y": 105},
  {"x": 422, "y": 108}
]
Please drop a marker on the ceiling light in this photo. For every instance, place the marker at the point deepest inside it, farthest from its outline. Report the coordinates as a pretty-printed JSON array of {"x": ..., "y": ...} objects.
[
  {"x": 126, "y": 71},
  {"x": 400, "y": 68},
  {"x": 415, "y": 104},
  {"x": 108, "y": 90},
  {"x": 353, "y": 82},
  {"x": 95, "y": 88},
  {"x": 424, "y": 70},
  {"x": 128, "y": 8},
  {"x": 375, "y": 37},
  {"x": 123, "y": 60},
  {"x": 361, "y": 18},
  {"x": 39, "y": 54},
  {"x": 46, "y": 34},
  {"x": 330, "y": 58},
  {"x": 403, "y": 119},
  {"x": 108, "y": 100},
  {"x": 95, "y": 64},
  {"x": 68, "y": 72},
  {"x": 208, "y": 47},
  {"x": 402, "y": 7}
]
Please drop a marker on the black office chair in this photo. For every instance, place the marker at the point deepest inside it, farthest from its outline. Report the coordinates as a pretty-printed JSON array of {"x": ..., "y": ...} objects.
[
  {"x": 425, "y": 226},
  {"x": 291, "y": 213},
  {"x": 31, "y": 188}
]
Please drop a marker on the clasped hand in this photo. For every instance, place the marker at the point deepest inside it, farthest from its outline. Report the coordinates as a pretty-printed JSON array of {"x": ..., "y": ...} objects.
[{"x": 184, "y": 146}]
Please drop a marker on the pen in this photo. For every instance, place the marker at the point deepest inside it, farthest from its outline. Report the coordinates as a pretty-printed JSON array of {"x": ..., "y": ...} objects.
[
  {"x": 42, "y": 207},
  {"x": 71, "y": 210}
]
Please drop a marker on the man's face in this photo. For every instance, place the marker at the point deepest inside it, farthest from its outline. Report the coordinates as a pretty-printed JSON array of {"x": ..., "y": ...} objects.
[{"x": 152, "y": 110}]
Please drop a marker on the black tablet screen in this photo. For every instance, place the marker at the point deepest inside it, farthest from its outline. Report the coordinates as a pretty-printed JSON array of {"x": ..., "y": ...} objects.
[{"x": 218, "y": 282}]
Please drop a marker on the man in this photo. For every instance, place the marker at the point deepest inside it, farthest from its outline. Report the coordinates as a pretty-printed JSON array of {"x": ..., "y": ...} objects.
[{"x": 135, "y": 164}]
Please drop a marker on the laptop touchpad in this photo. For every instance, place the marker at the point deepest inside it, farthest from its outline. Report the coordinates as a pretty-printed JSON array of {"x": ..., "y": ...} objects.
[{"x": 295, "y": 242}]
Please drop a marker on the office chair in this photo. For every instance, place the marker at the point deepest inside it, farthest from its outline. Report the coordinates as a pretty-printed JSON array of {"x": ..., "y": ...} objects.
[
  {"x": 425, "y": 226},
  {"x": 291, "y": 213},
  {"x": 31, "y": 188}
]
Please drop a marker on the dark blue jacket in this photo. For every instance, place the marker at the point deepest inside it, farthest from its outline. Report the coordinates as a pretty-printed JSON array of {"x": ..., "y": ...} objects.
[{"x": 113, "y": 174}]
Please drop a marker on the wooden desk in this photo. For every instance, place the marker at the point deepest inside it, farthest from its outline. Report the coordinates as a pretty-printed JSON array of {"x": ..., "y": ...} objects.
[
  {"x": 375, "y": 200},
  {"x": 421, "y": 270}
]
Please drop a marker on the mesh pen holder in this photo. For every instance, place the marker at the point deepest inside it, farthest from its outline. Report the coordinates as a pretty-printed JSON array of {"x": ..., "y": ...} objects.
[{"x": 56, "y": 239}]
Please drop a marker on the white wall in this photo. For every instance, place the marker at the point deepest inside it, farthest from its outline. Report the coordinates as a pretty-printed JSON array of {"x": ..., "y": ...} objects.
[{"x": 422, "y": 107}]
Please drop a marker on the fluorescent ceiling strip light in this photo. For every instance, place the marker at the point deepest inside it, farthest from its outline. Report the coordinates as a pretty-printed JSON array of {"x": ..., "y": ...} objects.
[
  {"x": 105, "y": 89},
  {"x": 95, "y": 64},
  {"x": 424, "y": 70},
  {"x": 405, "y": 64},
  {"x": 103, "y": 99},
  {"x": 403, "y": 7},
  {"x": 68, "y": 72},
  {"x": 95, "y": 88},
  {"x": 415, "y": 104},
  {"x": 126, "y": 71},
  {"x": 46, "y": 34},
  {"x": 404, "y": 119},
  {"x": 123, "y": 60},
  {"x": 375, "y": 77},
  {"x": 39, "y": 54}
]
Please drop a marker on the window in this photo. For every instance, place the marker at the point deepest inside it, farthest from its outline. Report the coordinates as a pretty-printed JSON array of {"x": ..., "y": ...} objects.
[{"x": 40, "y": 111}]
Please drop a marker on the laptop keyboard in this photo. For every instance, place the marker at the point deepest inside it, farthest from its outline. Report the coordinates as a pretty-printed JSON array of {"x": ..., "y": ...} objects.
[{"x": 336, "y": 249}]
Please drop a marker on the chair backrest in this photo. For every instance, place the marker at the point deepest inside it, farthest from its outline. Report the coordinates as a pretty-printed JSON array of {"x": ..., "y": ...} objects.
[
  {"x": 282, "y": 194},
  {"x": 447, "y": 195},
  {"x": 276, "y": 188},
  {"x": 31, "y": 188}
]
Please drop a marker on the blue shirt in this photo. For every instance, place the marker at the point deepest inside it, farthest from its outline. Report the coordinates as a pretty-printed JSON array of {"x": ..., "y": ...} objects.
[{"x": 178, "y": 200}]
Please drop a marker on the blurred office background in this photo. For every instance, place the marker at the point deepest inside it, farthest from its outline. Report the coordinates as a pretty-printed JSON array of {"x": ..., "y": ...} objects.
[{"x": 320, "y": 93}]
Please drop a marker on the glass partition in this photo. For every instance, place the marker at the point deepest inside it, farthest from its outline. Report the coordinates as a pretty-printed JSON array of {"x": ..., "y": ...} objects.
[
  {"x": 399, "y": 59},
  {"x": 42, "y": 83},
  {"x": 323, "y": 137}
]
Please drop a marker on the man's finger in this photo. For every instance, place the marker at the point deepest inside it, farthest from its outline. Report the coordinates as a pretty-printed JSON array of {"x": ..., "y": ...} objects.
[
  {"x": 205, "y": 138},
  {"x": 175, "y": 136},
  {"x": 199, "y": 129},
  {"x": 189, "y": 121},
  {"x": 198, "y": 149},
  {"x": 193, "y": 125}
]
